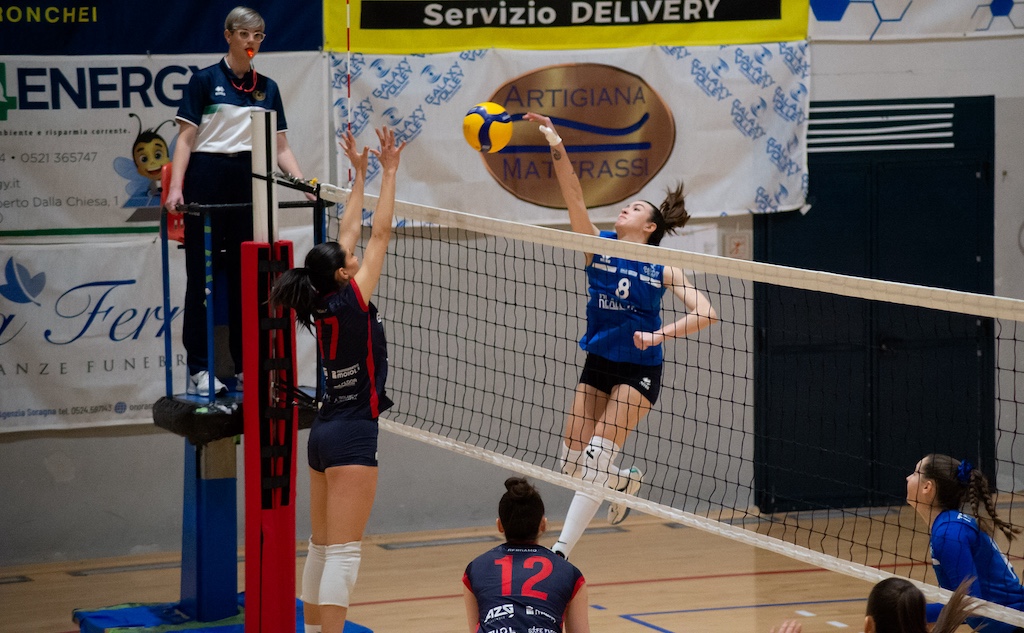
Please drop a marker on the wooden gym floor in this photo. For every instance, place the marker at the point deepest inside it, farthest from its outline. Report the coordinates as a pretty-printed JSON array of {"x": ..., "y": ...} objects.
[{"x": 645, "y": 575}]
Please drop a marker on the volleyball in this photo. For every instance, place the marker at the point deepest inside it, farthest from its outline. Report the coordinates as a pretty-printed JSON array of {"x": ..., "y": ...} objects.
[{"x": 487, "y": 127}]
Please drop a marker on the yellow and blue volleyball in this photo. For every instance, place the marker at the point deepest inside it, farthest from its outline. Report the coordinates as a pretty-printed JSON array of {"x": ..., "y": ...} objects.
[{"x": 487, "y": 127}]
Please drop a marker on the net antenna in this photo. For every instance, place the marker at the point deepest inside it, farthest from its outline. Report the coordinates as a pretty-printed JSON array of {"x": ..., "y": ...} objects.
[{"x": 484, "y": 316}]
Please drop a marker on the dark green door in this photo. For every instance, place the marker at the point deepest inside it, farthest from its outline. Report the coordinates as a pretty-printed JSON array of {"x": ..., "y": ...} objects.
[{"x": 850, "y": 393}]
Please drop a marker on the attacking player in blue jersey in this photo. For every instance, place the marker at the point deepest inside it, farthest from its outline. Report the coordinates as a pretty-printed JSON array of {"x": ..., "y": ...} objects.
[
  {"x": 621, "y": 378},
  {"x": 332, "y": 292},
  {"x": 961, "y": 544},
  {"x": 212, "y": 164},
  {"x": 520, "y": 586}
]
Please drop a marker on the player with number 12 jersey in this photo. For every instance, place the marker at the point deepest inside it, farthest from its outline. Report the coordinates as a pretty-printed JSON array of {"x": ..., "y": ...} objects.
[{"x": 522, "y": 588}]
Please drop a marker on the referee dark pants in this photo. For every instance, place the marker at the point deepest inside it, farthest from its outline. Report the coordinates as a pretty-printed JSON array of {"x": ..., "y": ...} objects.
[{"x": 215, "y": 179}]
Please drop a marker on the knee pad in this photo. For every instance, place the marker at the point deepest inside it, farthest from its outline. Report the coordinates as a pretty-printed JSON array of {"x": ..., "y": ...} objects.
[
  {"x": 340, "y": 570},
  {"x": 313, "y": 569}
]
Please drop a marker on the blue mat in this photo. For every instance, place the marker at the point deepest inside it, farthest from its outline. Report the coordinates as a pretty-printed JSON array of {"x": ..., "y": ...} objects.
[{"x": 166, "y": 618}]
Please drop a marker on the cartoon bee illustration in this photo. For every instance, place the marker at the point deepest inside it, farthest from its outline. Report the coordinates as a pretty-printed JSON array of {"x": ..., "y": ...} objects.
[{"x": 150, "y": 152}]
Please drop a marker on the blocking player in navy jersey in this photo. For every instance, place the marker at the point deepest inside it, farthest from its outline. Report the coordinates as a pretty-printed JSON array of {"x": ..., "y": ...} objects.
[
  {"x": 212, "y": 164},
  {"x": 961, "y": 544},
  {"x": 621, "y": 378},
  {"x": 331, "y": 292},
  {"x": 521, "y": 586}
]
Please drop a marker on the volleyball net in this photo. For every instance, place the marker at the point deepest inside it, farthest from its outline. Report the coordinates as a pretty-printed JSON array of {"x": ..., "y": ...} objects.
[{"x": 791, "y": 424}]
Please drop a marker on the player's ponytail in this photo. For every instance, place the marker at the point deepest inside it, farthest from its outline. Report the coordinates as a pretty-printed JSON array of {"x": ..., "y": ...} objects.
[
  {"x": 957, "y": 610},
  {"x": 301, "y": 288},
  {"x": 959, "y": 482},
  {"x": 668, "y": 216}
]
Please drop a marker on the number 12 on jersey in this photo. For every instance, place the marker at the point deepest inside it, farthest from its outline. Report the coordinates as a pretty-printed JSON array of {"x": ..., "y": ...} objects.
[{"x": 527, "y": 590}]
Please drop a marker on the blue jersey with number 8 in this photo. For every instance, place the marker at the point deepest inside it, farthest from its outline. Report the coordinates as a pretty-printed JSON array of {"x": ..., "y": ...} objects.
[{"x": 625, "y": 297}]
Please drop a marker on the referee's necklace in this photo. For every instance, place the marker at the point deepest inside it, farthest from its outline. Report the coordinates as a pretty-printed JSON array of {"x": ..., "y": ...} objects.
[{"x": 241, "y": 86}]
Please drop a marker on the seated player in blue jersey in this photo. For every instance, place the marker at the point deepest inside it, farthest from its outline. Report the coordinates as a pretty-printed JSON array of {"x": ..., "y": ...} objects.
[
  {"x": 961, "y": 544},
  {"x": 621, "y": 378},
  {"x": 212, "y": 164},
  {"x": 331, "y": 292},
  {"x": 896, "y": 605},
  {"x": 520, "y": 586}
]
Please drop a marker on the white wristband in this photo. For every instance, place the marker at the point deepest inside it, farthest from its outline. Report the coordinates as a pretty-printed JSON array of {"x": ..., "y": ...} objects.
[{"x": 552, "y": 137}]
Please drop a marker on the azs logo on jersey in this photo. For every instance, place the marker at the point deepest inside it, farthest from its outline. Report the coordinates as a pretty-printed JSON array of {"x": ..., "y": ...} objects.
[{"x": 500, "y": 611}]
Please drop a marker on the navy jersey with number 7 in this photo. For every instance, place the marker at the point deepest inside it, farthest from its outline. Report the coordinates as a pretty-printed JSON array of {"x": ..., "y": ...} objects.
[{"x": 522, "y": 588}]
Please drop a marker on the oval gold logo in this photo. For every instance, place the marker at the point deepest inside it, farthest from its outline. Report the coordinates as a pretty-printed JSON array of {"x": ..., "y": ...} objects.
[{"x": 617, "y": 131}]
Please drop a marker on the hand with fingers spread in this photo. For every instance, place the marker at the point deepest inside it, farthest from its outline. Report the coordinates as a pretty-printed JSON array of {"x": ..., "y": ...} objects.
[
  {"x": 359, "y": 160},
  {"x": 389, "y": 153}
]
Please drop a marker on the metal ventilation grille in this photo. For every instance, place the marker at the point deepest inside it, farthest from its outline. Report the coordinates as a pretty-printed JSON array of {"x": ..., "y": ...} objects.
[{"x": 880, "y": 127}]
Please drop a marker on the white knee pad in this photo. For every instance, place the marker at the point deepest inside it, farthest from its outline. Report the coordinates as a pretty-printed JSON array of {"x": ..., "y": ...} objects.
[
  {"x": 340, "y": 571},
  {"x": 313, "y": 569}
]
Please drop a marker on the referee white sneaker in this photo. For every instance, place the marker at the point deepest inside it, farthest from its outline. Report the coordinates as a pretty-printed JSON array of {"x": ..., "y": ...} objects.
[
  {"x": 617, "y": 512},
  {"x": 199, "y": 385}
]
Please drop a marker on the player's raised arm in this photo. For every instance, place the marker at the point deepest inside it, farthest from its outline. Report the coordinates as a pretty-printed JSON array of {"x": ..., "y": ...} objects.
[
  {"x": 568, "y": 182},
  {"x": 351, "y": 218},
  {"x": 389, "y": 156}
]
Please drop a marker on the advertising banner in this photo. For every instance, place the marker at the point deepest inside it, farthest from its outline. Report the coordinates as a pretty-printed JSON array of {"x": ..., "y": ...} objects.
[
  {"x": 82, "y": 139},
  {"x": 436, "y": 26},
  {"x": 82, "y": 332},
  {"x": 729, "y": 122},
  {"x": 913, "y": 19},
  {"x": 121, "y": 27}
]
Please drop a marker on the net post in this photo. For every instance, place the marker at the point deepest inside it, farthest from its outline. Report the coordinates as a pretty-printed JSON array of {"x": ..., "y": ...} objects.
[
  {"x": 264, "y": 158},
  {"x": 271, "y": 430}
]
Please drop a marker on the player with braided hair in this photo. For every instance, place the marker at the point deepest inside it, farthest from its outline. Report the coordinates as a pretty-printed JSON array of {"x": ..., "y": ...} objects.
[
  {"x": 621, "y": 378},
  {"x": 961, "y": 544}
]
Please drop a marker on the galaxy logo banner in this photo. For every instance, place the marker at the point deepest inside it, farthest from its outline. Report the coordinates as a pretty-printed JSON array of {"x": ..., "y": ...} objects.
[
  {"x": 434, "y": 26},
  {"x": 853, "y": 20},
  {"x": 729, "y": 122}
]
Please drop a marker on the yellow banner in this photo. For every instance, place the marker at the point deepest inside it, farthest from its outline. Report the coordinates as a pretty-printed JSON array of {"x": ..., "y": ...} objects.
[{"x": 437, "y": 26}]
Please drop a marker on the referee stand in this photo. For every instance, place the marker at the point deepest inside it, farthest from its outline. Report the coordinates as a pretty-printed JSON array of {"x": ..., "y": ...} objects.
[{"x": 268, "y": 416}]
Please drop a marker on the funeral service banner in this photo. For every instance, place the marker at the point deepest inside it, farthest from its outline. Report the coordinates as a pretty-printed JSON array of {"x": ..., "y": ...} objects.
[{"x": 82, "y": 329}]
